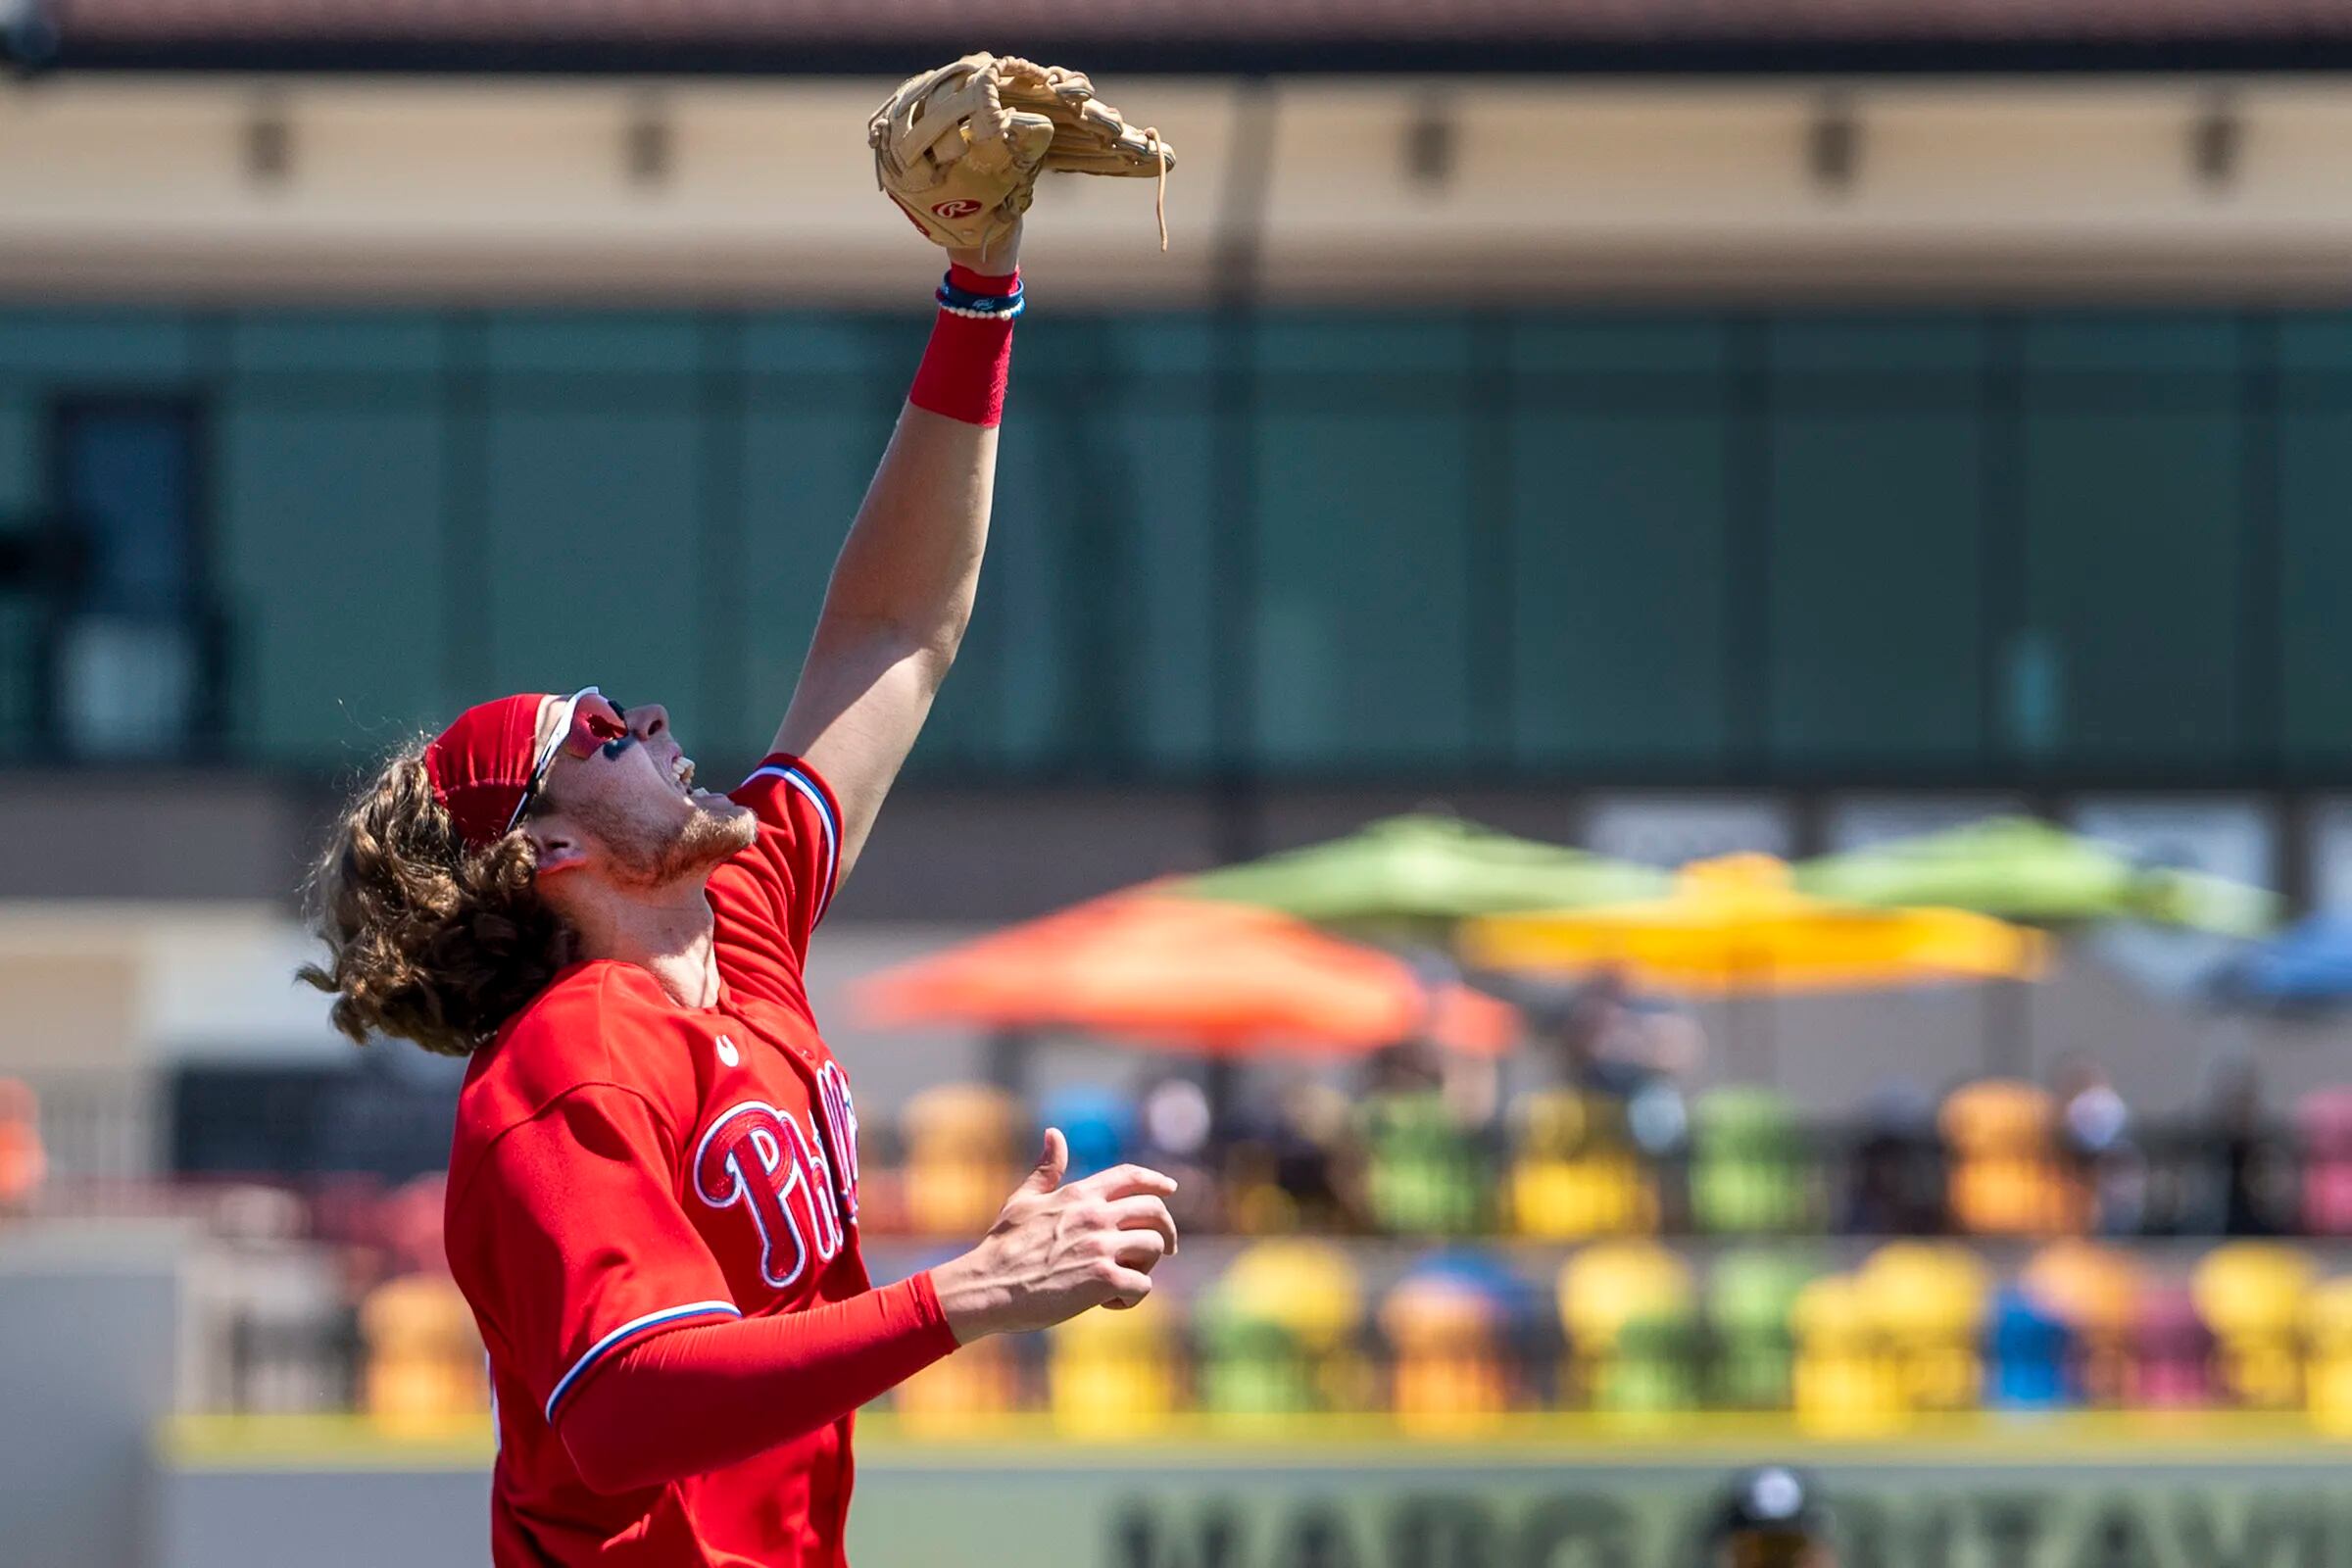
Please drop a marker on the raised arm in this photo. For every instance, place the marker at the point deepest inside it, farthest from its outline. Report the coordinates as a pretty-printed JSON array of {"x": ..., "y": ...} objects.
[{"x": 902, "y": 590}]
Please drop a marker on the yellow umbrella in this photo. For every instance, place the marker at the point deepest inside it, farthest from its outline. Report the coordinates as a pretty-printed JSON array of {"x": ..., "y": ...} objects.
[{"x": 1736, "y": 927}]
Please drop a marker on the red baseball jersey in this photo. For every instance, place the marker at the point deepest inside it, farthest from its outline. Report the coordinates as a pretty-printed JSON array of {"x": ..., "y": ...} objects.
[{"x": 623, "y": 1165}]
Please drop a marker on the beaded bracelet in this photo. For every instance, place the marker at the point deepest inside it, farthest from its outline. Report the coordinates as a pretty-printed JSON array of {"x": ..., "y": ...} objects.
[{"x": 982, "y": 307}]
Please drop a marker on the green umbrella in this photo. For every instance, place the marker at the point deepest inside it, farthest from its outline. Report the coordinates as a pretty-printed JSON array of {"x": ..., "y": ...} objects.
[
  {"x": 2018, "y": 868},
  {"x": 2028, "y": 871},
  {"x": 1422, "y": 873}
]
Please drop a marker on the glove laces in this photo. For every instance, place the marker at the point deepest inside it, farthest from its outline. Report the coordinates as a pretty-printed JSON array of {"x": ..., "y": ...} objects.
[{"x": 1160, "y": 200}]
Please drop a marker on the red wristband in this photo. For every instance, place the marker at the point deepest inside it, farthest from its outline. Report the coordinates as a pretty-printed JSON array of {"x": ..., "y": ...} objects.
[
  {"x": 969, "y": 360},
  {"x": 963, "y": 278}
]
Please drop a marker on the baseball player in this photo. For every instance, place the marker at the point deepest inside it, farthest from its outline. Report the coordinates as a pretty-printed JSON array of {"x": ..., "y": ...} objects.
[{"x": 653, "y": 1189}]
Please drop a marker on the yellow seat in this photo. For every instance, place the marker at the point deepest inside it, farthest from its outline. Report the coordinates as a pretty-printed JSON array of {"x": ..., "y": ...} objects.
[
  {"x": 977, "y": 1385},
  {"x": 2253, "y": 1295},
  {"x": 423, "y": 1357},
  {"x": 1113, "y": 1374},
  {"x": 1844, "y": 1381},
  {"x": 1608, "y": 1285},
  {"x": 1277, "y": 1331},
  {"x": 1929, "y": 1300},
  {"x": 1575, "y": 1171},
  {"x": 965, "y": 1152},
  {"x": 2327, "y": 1322}
]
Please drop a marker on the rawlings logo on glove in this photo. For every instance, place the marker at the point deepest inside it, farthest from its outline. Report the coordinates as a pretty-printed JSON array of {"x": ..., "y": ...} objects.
[{"x": 960, "y": 148}]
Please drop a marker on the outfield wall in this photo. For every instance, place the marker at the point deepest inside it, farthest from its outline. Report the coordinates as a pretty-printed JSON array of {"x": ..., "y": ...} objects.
[{"x": 2071, "y": 1495}]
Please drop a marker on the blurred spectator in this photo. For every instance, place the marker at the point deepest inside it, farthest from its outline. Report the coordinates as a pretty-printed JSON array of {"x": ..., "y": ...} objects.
[
  {"x": 1175, "y": 1133},
  {"x": 1897, "y": 1183},
  {"x": 2235, "y": 1198},
  {"x": 1294, "y": 1166},
  {"x": 1601, "y": 1040},
  {"x": 2096, "y": 1151},
  {"x": 22, "y": 1163},
  {"x": 1768, "y": 1518}
]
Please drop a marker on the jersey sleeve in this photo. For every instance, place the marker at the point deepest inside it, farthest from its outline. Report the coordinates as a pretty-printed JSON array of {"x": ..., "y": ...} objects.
[
  {"x": 569, "y": 1241},
  {"x": 769, "y": 899}
]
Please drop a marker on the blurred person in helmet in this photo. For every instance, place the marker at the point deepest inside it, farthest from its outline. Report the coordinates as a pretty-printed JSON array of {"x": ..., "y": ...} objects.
[{"x": 1769, "y": 1517}]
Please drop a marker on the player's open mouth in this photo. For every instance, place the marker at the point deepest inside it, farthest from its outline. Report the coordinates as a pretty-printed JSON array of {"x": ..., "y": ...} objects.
[{"x": 681, "y": 775}]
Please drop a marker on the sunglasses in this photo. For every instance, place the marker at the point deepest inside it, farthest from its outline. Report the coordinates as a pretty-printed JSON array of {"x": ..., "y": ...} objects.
[{"x": 586, "y": 722}]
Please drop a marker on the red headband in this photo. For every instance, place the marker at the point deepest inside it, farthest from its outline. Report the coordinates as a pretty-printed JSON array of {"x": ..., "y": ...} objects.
[{"x": 481, "y": 766}]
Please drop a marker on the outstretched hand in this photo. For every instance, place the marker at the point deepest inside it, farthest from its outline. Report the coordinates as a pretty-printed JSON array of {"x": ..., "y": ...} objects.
[{"x": 1056, "y": 1250}]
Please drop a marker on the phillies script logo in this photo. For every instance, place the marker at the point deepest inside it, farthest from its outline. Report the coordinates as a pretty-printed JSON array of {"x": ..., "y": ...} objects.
[
  {"x": 756, "y": 1156},
  {"x": 841, "y": 1133},
  {"x": 961, "y": 206}
]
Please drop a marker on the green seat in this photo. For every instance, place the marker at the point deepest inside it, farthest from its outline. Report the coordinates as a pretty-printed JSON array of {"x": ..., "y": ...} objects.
[
  {"x": 1750, "y": 1295},
  {"x": 1654, "y": 1366},
  {"x": 1749, "y": 1170},
  {"x": 1249, "y": 1366},
  {"x": 1422, "y": 1172}
]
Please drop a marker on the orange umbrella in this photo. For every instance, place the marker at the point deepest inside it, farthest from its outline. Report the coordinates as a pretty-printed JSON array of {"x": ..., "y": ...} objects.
[{"x": 1224, "y": 979}]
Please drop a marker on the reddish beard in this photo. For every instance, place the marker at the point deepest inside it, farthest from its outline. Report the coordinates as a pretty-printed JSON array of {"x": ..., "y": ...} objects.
[{"x": 649, "y": 855}]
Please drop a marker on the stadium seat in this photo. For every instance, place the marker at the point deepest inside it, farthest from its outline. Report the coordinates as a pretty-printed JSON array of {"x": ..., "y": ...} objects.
[
  {"x": 1930, "y": 1299},
  {"x": 1574, "y": 1170},
  {"x": 1845, "y": 1380},
  {"x": 1654, "y": 1370},
  {"x": 425, "y": 1368},
  {"x": 2094, "y": 1290},
  {"x": 1750, "y": 1296},
  {"x": 1603, "y": 1290},
  {"x": 2005, "y": 1176},
  {"x": 2172, "y": 1354},
  {"x": 2324, "y": 1123},
  {"x": 977, "y": 1385},
  {"x": 1422, "y": 1170},
  {"x": 2327, "y": 1324},
  {"x": 1276, "y": 1333},
  {"x": 964, "y": 1155},
  {"x": 1100, "y": 1124},
  {"x": 1448, "y": 1327},
  {"x": 1115, "y": 1374},
  {"x": 1748, "y": 1169},
  {"x": 2030, "y": 1346},
  {"x": 2252, "y": 1296}
]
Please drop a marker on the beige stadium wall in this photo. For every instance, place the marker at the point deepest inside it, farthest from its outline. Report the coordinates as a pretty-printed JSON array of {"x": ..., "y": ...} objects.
[{"x": 229, "y": 187}]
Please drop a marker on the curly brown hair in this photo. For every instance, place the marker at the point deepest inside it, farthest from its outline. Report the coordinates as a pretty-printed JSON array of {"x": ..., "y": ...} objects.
[{"x": 427, "y": 939}]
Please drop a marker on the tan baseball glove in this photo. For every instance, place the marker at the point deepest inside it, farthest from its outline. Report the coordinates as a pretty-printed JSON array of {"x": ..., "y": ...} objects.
[{"x": 960, "y": 148}]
